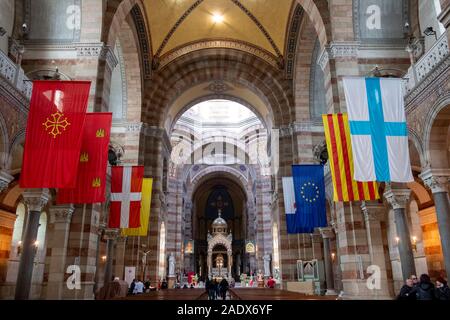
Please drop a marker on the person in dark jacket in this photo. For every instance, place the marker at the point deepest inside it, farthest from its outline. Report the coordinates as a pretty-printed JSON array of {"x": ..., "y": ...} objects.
[
  {"x": 405, "y": 291},
  {"x": 442, "y": 289},
  {"x": 425, "y": 290},
  {"x": 131, "y": 289},
  {"x": 224, "y": 288}
]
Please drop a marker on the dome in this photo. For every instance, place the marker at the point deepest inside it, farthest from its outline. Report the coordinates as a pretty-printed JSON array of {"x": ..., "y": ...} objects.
[
  {"x": 219, "y": 222},
  {"x": 219, "y": 225}
]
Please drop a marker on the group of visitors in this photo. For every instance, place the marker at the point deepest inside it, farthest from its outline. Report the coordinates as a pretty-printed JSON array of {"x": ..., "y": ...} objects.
[
  {"x": 216, "y": 289},
  {"x": 138, "y": 287},
  {"x": 424, "y": 289}
]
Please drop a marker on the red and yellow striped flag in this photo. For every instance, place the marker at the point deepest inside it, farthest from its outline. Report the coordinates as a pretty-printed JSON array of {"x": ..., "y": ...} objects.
[{"x": 337, "y": 133}]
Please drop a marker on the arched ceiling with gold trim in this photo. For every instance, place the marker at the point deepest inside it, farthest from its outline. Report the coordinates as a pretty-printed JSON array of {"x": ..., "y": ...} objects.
[{"x": 261, "y": 24}]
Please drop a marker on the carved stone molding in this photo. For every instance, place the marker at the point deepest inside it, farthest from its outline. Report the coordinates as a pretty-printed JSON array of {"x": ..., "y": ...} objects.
[
  {"x": 61, "y": 213},
  {"x": 5, "y": 179},
  {"x": 372, "y": 211},
  {"x": 111, "y": 234},
  {"x": 436, "y": 180},
  {"x": 87, "y": 49},
  {"x": 327, "y": 232},
  {"x": 107, "y": 54},
  {"x": 338, "y": 49},
  {"x": 301, "y": 127},
  {"x": 36, "y": 199},
  {"x": 397, "y": 198}
]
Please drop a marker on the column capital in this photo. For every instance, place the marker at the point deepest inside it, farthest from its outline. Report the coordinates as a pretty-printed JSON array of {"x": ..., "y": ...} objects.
[
  {"x": 338, "y": 49},
  {"x": 436, "y": 179},
  {"x": 373, "y": 211},
  {"x": 327, "y": 232},
  {"x": 61, "y": 213},
  {"x": 112, "y": 234},
  {"x": 397, "y": 197},
  {"x": 5, "y": 179},
  {"x": 36, "y": 199}
]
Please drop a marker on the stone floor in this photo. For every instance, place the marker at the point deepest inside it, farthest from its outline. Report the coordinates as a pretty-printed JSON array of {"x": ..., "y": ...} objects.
[{"x": 235, "y": 294}]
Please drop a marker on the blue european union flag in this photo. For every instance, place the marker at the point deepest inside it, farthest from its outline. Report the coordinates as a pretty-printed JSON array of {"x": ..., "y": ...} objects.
[{"x": 309, "y": 188}]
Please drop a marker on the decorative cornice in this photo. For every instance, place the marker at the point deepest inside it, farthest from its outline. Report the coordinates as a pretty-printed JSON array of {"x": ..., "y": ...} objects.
[
  {"x": 159, "y": 133},
  {"x": 5, "y": 179},
  {"x": 218, "y": 43},
  {"x": 339, "y": 49},
  {"x": 292, "y": 41},
  {"x": 327, "y": 232},
  {"x": 372, "y": 211},
  {"x": 397, "y": 198},
  {"x": 436, "y": 180},
  {"x": 301, "y": 127},
  {"x": 145, "y": 46},
  {"x": 111, "y": 234},
  {"x": 108, "y": 55},
  {"x": 444, "y": 16},
  {"x": 36, "y": 199},
  {"x": 61, "y": 213},
  {"x": 433, "y": 82}
]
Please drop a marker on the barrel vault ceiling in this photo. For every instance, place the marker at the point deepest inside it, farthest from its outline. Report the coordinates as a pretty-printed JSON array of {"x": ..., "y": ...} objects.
[{"x": 258, "y": 25}]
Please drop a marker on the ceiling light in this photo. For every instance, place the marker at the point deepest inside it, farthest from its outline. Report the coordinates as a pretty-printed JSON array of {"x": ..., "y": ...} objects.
[{"x": 217, "y": 18}]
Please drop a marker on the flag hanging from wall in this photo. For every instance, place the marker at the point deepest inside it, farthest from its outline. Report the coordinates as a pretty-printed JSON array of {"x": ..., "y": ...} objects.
[
  {"x": 91, "y": 176},
  {"x": 147, "y": 184},
  {"x": 378, "y": 130},
  {"x": 309, "y": 189},
  {"x": 126, "y": 196},
  {"x": 340, "y": 154},
  {"x": 53, "y": 135},
  {"x": 289, "y": 204}
]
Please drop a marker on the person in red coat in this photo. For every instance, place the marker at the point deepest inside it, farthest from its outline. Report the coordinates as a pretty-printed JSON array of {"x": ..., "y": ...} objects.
[{"x": 271, "y": 283}]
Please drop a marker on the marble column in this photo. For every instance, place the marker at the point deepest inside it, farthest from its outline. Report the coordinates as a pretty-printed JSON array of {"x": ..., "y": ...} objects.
[
  {"x": 60, "y": 217},
  {"x": 374, "y": 213},
  {"x": 230, "y": 262},
  {"x": 327, "y": 234},
  {"x": 111, "y": 236},
  {"x": 119, "y": 267},
  {"x": 437, "y": 181},
  {"x": 5, "y": 179},
  {"x": 398, "y": 199},
  {"x": 35, "y": 200},
  {"x": 209, "y": 262}
]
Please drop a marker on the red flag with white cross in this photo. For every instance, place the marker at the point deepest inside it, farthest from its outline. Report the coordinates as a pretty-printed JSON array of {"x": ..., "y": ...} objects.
[{"x": 126, "y": 188}]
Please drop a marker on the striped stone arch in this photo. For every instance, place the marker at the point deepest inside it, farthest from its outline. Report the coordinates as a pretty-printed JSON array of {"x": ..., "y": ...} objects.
[
  {"x": 229, "y": 65},
  {"x": 4, "y": 142},
  {"x": 418, "y": 144},
  {"x": 318, "y": 18},
  {"x": 208, "y": 171},
  {"x": 432, "y": 114}
]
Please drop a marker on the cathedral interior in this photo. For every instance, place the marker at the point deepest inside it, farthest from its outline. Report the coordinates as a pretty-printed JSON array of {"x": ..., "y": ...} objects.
[{"x": 217, "y": 99}]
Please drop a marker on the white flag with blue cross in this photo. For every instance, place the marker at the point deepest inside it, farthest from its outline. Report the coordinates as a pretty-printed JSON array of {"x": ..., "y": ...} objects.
[{"x": 378, "y": 131}]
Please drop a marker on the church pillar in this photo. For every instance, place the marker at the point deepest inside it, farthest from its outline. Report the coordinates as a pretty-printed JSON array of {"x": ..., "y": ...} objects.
[
  {"x": 327, "y": 234},
  {"x": 373, "y": 216},
  {"x": 5, "y": 179},
  {"x": 230, "y": 262},
  {"x": 35, "y": 200},
  {"x": 398, "y": 199},
  {"x": 437, "y": 182},
  {"x": 111, "y": 236},
  {"x": 60, "y": 217},
  {"x": 119, "y": 266},
  {"x": 209, "y": 262}
]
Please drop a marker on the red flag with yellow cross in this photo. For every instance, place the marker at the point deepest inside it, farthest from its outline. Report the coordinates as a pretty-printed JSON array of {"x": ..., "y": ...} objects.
[{"x": 53, "y": 135}]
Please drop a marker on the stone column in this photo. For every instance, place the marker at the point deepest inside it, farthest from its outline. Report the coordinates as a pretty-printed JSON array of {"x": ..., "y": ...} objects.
[
  {"x": 111, "y": 236},
  {"x": 374, "y": 214},
  {"x": 35, "y": 200},
  {"x": 5, "y": 179},
  {"x": 398, "y": 199},
  {"x": 209, "y": 262},
  {"x": 437, "y": 181},
  {"x": 327, "y": 234},
  {"x": 60, "y": 217},
  {"x": 119, "y": 267},
  {"x": 230, "y": 262}
]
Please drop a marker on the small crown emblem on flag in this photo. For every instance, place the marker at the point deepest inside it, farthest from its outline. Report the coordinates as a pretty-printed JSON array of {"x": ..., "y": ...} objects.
[
  {"x": 100, "y": 133},
  {"x": 96, "y": 183},
  {"x": 84, "y": 157}
]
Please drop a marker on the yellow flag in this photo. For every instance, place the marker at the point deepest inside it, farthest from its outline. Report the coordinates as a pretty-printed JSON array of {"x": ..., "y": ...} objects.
[{"x": 146, "y": 200}]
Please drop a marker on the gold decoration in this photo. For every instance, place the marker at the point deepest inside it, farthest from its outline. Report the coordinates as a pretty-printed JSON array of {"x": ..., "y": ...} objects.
[
  {"x": 96, "y": 183},
  {"x": 84, "y": 157},
  {"x": 56, "y": 123}
]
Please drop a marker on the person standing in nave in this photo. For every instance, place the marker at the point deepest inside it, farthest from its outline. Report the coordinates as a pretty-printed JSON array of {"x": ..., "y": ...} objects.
[
  {"x": 405, "y": 291},
  {"x": 224, "y": 288},
  {"x": 132, "y": 285},
  {"x": 425, "y": 290},
  {"x": 442, "y": 289},
  {"x": 138, "y": 287}
]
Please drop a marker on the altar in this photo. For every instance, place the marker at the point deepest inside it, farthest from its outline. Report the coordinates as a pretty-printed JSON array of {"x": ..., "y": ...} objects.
[{"x": 220, "y": 258}]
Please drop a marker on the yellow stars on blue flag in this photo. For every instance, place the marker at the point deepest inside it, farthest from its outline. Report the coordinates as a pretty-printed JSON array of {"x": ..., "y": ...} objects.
[{"x": 310, "y": 192}]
